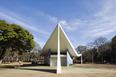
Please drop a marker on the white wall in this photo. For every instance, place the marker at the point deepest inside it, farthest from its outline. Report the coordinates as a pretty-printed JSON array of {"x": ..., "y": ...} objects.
[
  {"x": 54, "y": 60},
  {"x": 69, "y": 59}
]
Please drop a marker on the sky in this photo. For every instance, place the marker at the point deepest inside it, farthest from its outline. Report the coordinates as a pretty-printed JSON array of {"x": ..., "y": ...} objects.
[{"x": 82, "y": 20}]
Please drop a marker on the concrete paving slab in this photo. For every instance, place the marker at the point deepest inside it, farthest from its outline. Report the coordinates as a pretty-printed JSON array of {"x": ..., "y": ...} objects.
[
  {"x": 57, "y": 75},
  {"x": 46, "y": 71},
  {"x": 66, "y": 75},
  {"x": 94, "y": 75}
]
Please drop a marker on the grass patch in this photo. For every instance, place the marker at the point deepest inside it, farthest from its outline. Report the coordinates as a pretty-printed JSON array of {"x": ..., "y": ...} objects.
[
  {"x": 7, "y": 66},
  {"x": 71, "y": 64}
]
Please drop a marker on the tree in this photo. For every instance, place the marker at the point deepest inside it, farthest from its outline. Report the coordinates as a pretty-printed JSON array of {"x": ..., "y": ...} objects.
[
  {"x": 37, "y": 48},
  {"x": 15, "y": 37},
  {"x": 106, "y": 52},
  {"x": 90, "y": 45},
  {"x": 97, "y": 48},
  {"x": 113, "y": 52},
  {"x": 81, "y": 50},
  {"x": 87, "y": 56},
  {"x": 91, "y": 50},
  {"x": 10, "y": 56},
  {"x": 98, "y": 44},
  {"x": 99, "y": 41}
]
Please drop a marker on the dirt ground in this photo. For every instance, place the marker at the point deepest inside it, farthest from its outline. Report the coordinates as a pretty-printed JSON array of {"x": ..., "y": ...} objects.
[
  {"x": 57, "y": 75},
  {"x": 17, "y": 63},
  {"x": 102, "y": 66},
  {"x": 34, "y": 71}
]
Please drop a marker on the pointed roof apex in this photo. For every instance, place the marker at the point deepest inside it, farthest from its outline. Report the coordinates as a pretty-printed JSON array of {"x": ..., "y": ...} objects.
[
  {"x": 64, "y": 43},
  {"x": 58, "y": 25}
]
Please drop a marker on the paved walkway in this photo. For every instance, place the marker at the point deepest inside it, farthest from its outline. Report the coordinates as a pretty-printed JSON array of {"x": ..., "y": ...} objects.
[
  {"x": 56, "y": 75},
  {"x": 46, "y": 71}
]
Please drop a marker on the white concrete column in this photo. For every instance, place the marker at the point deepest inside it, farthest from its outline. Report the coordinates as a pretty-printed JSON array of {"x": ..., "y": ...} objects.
[{"x": 58, "y": 52}]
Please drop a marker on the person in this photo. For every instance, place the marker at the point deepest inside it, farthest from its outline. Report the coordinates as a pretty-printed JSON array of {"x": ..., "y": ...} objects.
[{"x": 19, "y": 62}]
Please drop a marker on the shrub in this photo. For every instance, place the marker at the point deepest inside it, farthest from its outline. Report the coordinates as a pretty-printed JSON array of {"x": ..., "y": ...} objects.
[{"x": 7, "y": 66}]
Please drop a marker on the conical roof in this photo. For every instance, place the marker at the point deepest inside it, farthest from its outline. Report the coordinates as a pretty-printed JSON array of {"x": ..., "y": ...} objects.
[{"x": 65, "y": 43}]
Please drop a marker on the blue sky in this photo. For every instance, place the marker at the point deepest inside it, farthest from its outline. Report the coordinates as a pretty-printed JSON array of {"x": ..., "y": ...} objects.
[{"x": 82, "y": 20}]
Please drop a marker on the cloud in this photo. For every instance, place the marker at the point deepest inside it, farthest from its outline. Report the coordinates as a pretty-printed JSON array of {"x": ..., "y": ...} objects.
[
  {"x": 101, "y": 23},
  {"x": 71, "y": 25},
  {"x": 108, "y": 8},
  {"x": 48, "y": 17},
  {"x": 63, "y": 22},
  {"x": 104, "y": 22},
  {"x": 18, "y": 21},
  {"x": 24, "y": 22}
]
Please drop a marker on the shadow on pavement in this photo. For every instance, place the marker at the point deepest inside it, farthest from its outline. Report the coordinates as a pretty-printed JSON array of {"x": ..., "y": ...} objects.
[
  {"x": 28, "y": 65},
  {"x": 43, "y": 70}
]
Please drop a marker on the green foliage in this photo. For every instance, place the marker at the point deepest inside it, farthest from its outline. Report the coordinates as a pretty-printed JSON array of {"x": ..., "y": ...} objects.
[
  {"x": 87, "y": 56},
  {"x": 15, "y": 37},
  {"x": 7, "y": 66},
  {"x": 99, "y": 51},
  {"x": 35, "y": 62},
  {"x": 71, "y": 64},
  {"x": 81, "y": 49},
  {"x": 113, "y": 45},
  {"x": 10, "y": 57}
]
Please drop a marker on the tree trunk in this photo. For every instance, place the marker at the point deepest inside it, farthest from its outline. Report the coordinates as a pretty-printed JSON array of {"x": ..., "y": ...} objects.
[
  {"x": 3, "y": 54},
  {"x": 0, "y": 62},
  {"x": 9, "y": 61},
  {"x": 102, "y": 59},
  {"x": 92, "y": 57}
]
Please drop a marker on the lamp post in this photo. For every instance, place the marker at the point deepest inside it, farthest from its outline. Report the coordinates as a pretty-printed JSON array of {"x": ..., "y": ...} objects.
[
  {"x": 94, "y": 47},
  {"x": 82, "y": 57}
]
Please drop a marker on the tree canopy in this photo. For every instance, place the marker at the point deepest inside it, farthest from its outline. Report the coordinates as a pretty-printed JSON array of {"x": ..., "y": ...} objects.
[
  {"x": 113, "y": 45},
  {"x": 14, "y": 37}
]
